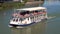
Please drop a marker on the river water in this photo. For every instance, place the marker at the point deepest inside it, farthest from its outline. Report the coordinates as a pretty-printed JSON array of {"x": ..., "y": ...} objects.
[{"x": 51, "y": 26}]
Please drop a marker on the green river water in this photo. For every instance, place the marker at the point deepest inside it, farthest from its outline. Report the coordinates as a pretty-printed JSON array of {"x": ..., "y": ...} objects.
[{"x": 51, "y": 26}]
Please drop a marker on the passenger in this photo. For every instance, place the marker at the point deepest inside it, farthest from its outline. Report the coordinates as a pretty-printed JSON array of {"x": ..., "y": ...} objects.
[
  {"x": 26, "y": 15},
  {"x": 44, "y": 12},
  {"x": 40, "y": 12},
  {"x": 31, "y": 13},
  {"x": 14, "y": 15},
  {"x": 35, "y": 13}
]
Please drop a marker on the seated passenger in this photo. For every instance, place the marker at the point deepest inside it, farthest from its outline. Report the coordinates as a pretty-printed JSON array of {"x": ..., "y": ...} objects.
[
  {"x": 35, "y": 13},
  {"x": 14, "y": 15},
  {"x": 40, "y": 12},
  {"x": 26, "y": 15},
  {"x": 21, "y": 16}
]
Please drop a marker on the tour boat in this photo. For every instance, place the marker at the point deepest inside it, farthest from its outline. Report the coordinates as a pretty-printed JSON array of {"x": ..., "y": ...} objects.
[{"x": 28, "y": 16}]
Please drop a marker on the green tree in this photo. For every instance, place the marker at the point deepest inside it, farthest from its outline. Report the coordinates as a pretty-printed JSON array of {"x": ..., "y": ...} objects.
[{"x": 10, "y": 5}]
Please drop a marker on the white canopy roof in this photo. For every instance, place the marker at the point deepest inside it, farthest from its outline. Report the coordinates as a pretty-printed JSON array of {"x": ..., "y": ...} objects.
[{"x": 31, "y": 9}]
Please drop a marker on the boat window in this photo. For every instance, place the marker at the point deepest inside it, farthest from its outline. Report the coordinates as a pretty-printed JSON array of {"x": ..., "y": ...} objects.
[
  {"x": 31, "y": 11},
  {"x": 32, "y": 17},
  {"x": 40, "y": 11},
  {"x": 24, "y": 12},
  {"x": 16, "y": 20},
  {"x": 13, "y": 19},
  {"x": 27, "y": 12},
  {"x": 19, "y": 20},
  {"x": 44, "y": 10},
  {"x": 28, "y": 18},
  {"x": 36, "y": 11},
  {"x": 22, "y": 19}
]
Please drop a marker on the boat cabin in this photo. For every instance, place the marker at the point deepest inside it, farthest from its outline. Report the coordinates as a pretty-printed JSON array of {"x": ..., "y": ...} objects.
[{"x": 28, "y": 12}]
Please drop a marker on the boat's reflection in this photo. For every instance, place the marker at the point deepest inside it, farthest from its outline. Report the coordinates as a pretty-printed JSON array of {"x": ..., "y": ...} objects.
[
  {"x": 33, "y": 29},
  {"x": 21, "y": 31}
]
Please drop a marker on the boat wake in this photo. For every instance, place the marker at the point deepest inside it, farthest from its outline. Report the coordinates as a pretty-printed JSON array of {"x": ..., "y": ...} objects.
[
  {"x": 19, "y": 27},
  {"x": 50, "y": 18}
]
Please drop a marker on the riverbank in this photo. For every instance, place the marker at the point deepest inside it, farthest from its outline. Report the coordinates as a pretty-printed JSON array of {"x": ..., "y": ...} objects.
[{"x": 10, "y": 5}]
